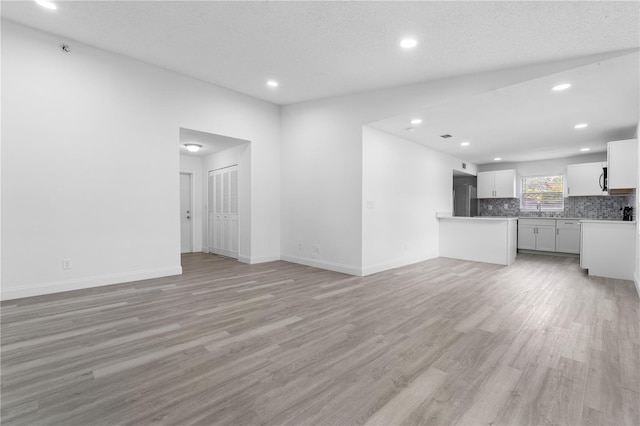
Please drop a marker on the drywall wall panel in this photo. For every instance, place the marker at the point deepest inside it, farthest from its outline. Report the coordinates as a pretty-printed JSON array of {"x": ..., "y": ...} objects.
[{"x": 90, "y": 164}]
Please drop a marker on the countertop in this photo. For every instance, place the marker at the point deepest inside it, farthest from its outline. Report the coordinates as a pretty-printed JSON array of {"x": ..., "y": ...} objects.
[{"x": 483, "y": 218}]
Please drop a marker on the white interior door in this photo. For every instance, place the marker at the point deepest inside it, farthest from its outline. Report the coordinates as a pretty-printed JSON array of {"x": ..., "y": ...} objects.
[
  {"x": 223, "y": 211},
  {"x": 186, "y": 232}
]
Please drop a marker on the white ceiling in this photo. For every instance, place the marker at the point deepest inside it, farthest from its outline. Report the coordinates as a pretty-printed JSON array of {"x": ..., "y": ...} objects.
[
  {"x": 529, "y": 121},
  {"x": 322, "y": 49},
  {"x": 211, "y": 143},
  {"x": 327, "y": 48}
]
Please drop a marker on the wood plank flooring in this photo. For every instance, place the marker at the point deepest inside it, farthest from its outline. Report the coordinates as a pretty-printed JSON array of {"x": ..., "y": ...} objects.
[{"x": 440, "y": 342}]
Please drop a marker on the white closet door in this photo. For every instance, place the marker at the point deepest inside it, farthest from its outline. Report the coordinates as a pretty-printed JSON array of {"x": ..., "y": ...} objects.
[{"x": 223, "y": 200}]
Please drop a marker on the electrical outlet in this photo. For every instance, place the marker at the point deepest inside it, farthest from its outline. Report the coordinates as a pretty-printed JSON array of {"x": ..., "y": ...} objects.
[
  {"x": 315, "y": 251},
  {"x": 506, "y": 206},
  {"x": 490, "y": 207},
  {"x": 371, "y": 204},
  {"x": 299, "y": 246},
  {"x": 66, "y": 263}
]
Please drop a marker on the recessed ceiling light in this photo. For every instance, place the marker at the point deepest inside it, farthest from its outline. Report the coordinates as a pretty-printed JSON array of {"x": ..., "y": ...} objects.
[
  {"x": 416, "y": 121},
  {"x": 272, "y": 83},
  {"x": 559, "y": 87},
  {"x": 585, "y": 149},
  {"x": 497, "y": 159},
  {"x": 193, "y": 147},
  {"x": 408, "y": 43},
  {"x": 464, "y": 144},
  {"x": 580, "y": 126},
  {"x": 47, "y": 4}
]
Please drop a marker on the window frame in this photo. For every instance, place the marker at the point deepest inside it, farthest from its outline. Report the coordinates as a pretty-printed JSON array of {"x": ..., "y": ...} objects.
[{"x": 522, "y": 192}]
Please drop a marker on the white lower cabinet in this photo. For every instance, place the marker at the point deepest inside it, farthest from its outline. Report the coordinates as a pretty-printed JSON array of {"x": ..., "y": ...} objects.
[
  {"x": 537, "y": 234},
  {"x": 568, "y": 236},
  {"x": 608, "y": 248}
]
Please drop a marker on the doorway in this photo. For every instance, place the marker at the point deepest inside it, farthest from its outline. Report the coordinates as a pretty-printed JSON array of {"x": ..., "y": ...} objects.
[
  {"x": 223, "y": 211},
  {"x": 186, "y": 213}
]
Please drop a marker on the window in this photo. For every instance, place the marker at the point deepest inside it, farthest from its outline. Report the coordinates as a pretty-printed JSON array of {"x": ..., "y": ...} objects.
[{"x": 542, "y": 192}]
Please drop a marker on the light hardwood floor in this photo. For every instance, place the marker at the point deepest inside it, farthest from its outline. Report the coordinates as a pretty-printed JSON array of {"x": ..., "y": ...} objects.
[{"x": 439, "y": 342}]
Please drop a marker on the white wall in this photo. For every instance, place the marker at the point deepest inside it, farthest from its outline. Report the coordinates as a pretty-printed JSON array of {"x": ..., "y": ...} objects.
[
  {"x": 322, "y": 154},
  {"x": 240, "y": 155},
  {"x": 636, "y": 212},
  {"x": 90, "y": 163},
  {"x": 194, "y": 166},
  {"x": 407, "y": 184}
]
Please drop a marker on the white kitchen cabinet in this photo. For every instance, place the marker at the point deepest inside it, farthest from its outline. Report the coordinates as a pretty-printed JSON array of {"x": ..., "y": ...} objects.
[
  {"x": 537, "y": 234},
  {"x": 607, "y": 248},
  {"x": 585, "y": 179},
  {"x": 497, "y": 184},
  {"x": 568, "y": 236},
  {"x": 622, "y": 160}
]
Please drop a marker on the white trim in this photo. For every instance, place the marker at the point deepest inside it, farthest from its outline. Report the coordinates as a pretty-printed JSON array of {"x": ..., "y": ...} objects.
[
  {"x": 337, "y": 267},
  {"x": 636, "y": 281},
  {"x": 83, "y": 283},
  {"x": 374, "y": 269},
  {"x": 261, "y": 259}
]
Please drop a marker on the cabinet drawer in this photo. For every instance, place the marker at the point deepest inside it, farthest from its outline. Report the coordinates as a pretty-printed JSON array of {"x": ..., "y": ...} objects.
[{"x": 568, "y": 224}]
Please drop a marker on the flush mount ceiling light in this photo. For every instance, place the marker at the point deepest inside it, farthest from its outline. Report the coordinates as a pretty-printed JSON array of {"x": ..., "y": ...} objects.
[
  {"x": 47, "y": 4},
  {"x": 559, "y": 87},
  {"x": 416, "y": 121},
  {"x": 464, "y": 143},
  {"x": 585, "y": 149},
  {"x": 272, "y": 83},
  {"x": 497, "y": 159},
  {"x": 580, "y": 126},
  {"x": 408, "y": 43},
  {"x": 192, "y": 147}
]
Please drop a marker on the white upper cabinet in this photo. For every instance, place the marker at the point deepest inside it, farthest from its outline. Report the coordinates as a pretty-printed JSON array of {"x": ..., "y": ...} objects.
[
  {"x": 585, "y": 179},
  {"x": 498, "y": 184},
  {"x": 622, "y": 159}
]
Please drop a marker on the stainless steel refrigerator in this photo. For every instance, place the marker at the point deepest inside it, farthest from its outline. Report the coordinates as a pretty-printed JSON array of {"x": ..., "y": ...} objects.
[{"x": 465, "y": 201}]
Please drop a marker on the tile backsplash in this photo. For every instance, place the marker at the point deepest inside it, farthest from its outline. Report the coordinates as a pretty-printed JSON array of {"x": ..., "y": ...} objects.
[{"x": 607, "y": 207}]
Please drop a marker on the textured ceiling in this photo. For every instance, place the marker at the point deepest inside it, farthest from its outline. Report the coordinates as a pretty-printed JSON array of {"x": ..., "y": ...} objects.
[
  {"x": 529, "y": 121},
  {"x": 322, "y": 49},
  {"x": 211, "y": 143}
]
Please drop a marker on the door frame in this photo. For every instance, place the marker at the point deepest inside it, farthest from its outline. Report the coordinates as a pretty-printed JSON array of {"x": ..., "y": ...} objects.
[{"x": 192, "y": 195}]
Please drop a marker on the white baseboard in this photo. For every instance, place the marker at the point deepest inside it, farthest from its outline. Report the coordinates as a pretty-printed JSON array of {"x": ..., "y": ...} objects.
[
  {"x": 374, "y": 269},
  {"x": 336, "y": 267},
  {"x": 83, "y": 283},
  {"x": 259, "y": 259}
]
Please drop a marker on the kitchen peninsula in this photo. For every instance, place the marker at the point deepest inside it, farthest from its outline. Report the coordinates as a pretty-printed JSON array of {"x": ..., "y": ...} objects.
[{"x": 479, "y": 239}]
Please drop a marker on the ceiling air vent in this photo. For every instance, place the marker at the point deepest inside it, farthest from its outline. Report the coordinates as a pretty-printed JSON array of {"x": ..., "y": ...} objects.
[{"x": 445, "y": 136}]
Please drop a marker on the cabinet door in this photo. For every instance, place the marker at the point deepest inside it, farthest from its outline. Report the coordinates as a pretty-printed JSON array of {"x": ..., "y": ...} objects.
[
  {"x": 526, "y": 237},
  {"x": 584, "y": 179},
  {"x": 486, "y": 185},
  {"x": 568, "y": 240},
  {"x": 505, "y": 184},
  {"x": 622, "y": 166},
  {"x": 546, "y": 238}
]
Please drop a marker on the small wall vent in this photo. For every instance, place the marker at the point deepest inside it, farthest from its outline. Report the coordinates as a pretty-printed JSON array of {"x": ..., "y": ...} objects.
[{"x": 445, "y": 136}]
